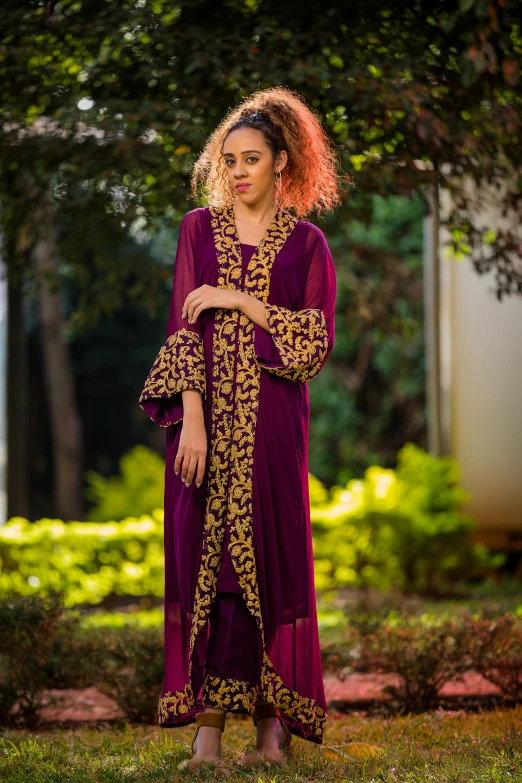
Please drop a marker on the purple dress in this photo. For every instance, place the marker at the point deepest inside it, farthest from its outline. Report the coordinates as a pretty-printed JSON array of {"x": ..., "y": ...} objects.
[{"x": 247, "y": 528}]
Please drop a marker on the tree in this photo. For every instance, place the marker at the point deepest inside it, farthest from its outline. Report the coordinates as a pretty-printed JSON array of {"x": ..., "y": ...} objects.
[{"x": 105, "y": 103}]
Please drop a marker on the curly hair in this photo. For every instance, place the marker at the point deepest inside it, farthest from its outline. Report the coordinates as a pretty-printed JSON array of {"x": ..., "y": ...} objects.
[{"x": 311, "y": 179}]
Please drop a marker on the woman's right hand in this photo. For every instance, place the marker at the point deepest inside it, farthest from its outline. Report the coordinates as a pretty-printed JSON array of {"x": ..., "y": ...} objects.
[{"x": 192, "y": 450}]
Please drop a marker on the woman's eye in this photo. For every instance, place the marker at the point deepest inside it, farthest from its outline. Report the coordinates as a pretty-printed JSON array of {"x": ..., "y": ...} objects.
[
  {"x": 229, "y": 160},
  {"x": 252, "y": 159}
]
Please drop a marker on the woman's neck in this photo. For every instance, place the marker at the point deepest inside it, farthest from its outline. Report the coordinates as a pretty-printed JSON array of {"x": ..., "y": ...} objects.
[{"x": 253, "y": 221}]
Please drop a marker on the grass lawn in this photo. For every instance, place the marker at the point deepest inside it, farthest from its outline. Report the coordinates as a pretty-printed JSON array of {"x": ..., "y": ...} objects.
[{"x": 428, "y": 748}]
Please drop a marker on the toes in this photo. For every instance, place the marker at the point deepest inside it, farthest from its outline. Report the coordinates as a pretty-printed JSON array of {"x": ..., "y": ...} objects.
[
  {"x": 261, "y": 757},
  {"x": 195, "y": 762},
  {"x": 249, "y": 759}
]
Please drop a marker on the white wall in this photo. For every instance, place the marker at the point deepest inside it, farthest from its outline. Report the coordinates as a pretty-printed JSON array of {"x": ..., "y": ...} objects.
[{"x": 481, "y": 380}]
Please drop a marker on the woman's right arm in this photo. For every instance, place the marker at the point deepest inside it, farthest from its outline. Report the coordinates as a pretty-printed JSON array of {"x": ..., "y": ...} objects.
[
  {"x": 192, "y": 450},
  {"x": 176, "y": 384}
]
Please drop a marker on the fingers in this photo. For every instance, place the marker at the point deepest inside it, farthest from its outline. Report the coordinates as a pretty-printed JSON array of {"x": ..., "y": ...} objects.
[
  {"x": 194, "y": 309},
  {"x": 177, "y": 462},
  {"x": 200, "y": 471},
  {"x": 187, "y": 302},
  {"x": 188, "y": 469},
  {"x": 195, "y": 302},
  {"x": 191, "y": 467}
]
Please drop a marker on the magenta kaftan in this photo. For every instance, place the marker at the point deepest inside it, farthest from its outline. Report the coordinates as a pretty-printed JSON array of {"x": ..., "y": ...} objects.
[{"x": 247, "y": 528}]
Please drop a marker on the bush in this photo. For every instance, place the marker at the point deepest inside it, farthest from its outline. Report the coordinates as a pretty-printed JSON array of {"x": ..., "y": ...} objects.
[
  {"x": 89, "y": 561},
  {"x": 401, "y": 529},
  {"x": 496, "y": 652},
  {"x": 136, "y": 492},
  {"x": 130, "y": 663},
  {"x": 428, "y": 651},
  {"x": 425, "y": 658},
  {"x": 29, "y": 627},
  {"x": 43, "y": 645}
]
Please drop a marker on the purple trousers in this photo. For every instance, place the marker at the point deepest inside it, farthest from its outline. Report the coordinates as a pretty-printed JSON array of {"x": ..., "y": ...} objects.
[{"x": 233, "y": 643}]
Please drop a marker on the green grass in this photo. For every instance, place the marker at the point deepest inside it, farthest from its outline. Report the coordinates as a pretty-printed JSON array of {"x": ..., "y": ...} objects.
[{"x": 428, "y": 748}]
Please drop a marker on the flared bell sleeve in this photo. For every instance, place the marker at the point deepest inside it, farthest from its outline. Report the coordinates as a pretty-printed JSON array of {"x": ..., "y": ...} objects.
[
  {"x": 300, "y": 341},
  {"x": 180, "y": 363}
]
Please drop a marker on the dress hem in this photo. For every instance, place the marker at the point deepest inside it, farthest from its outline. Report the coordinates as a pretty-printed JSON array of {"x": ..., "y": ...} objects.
[{"x": 303, "y": 716}]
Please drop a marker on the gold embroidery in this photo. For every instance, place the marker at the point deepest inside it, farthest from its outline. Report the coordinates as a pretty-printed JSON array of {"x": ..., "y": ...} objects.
[
  {"x": 234, "y": 415},
  {"x": 179, "y": 365},
  {"x": 228, "y": 694},
  {"x": 306, "y": 713},
  {"x": 235, "y": 399},
  {"x": 301, "y": 338},
  {"x": 175, "y": 704},
  {"x": 301, "y": 713}
]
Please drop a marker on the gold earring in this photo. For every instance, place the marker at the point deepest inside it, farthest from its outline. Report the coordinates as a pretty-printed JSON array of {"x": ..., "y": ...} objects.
[{"x": 279, "y": 187}]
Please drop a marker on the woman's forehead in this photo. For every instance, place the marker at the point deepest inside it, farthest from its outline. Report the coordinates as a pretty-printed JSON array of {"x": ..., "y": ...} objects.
[{"x": 244, "y": 140}]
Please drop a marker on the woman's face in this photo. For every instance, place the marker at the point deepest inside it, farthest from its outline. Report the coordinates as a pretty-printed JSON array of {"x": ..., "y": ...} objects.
[{"x": 250, "y": 165}]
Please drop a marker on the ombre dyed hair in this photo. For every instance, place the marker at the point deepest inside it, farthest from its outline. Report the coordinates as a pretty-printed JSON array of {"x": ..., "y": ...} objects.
[{"x": 311, "y": 179}]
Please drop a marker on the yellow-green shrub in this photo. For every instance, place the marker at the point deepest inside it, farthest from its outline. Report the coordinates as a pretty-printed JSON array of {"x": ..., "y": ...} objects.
[
  {"x": 400, "y": 528},
  {"x": 88, "y": 560},
  {"x": 137, "y": 490}
]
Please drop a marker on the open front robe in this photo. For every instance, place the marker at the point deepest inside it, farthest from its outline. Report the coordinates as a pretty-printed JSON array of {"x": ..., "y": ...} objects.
[{"x": 247, "y": 527}]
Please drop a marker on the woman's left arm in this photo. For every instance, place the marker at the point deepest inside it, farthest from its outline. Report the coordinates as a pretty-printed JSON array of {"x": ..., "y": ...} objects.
[
  {"x": 298, "y": 342},
  {"x": 294, "y": 344}
]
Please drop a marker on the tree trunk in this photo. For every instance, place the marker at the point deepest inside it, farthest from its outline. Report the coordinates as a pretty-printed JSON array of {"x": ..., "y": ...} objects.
[
  {"x": 66, "y": 428},
  {"x": 16, "y": 392}
]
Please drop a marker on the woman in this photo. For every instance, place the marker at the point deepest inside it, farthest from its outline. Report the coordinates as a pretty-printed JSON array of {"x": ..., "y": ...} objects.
[{"x": 251, "y": 322}]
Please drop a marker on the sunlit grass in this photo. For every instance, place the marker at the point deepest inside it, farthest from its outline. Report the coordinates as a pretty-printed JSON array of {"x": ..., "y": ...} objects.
[
  {"x": 150, "y": 618},
  {"x": 428, "y": 748}
]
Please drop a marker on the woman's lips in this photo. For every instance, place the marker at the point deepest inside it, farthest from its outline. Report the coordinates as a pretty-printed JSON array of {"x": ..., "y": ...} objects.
[{"x": 243, "y": 186}]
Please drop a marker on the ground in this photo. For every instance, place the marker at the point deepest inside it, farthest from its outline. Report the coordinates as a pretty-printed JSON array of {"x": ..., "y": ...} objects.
[{"x": 435, "y": 747}]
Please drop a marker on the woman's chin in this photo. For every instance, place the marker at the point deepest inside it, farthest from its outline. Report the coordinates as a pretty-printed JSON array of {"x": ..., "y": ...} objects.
[
  {"x": 250, "y": 198},
  {"x": 246, "y": 196}
]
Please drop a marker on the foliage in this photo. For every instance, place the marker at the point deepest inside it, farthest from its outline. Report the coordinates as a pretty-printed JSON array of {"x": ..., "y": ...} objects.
[
  {"x": 138, "y": 490},
  {"x": 29, "y": 627},
  {"x": 370, "y": 397},
  {"x": 113, "y": 620},
  {"x": 130, "y": 665},
  {"x": 88, "y": 560},
  {"x": 424, "y": 657},
  {"x": 401, "y": 529},
  {"x": 411, "y": 94},
  {"x": 104, "y": 106},
  {"x": 43, "y": 645},
  {"x": 496, "y": 652},
  {"x": 426, "y": 652}
]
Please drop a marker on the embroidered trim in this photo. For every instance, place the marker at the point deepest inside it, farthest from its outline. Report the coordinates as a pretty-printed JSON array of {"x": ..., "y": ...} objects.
[
  {"x": 301, "y": 338},
  {"x": 303, "y": 715},
  {"x": 179, "y": 365},
  {"x": 234, "y": 414},
  {"x": 229, "y": 695},
  {"x": 235, "y": 399},
  {"x": 172, "y": 705}
]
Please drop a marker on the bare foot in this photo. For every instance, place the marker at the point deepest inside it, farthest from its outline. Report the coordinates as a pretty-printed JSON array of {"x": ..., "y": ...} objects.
[
  {"x": 207, "y": 747},
  {"x": 270, "y": 736}
]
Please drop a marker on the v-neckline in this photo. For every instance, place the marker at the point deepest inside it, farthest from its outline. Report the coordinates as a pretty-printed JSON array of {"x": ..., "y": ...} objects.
[
  {"x": 261, "y": 259},
  {"x": 235, "y": 238}
]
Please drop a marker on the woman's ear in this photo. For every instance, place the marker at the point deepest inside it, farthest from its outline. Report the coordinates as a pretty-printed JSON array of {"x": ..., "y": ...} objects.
[{"x": 281, "y": 161}]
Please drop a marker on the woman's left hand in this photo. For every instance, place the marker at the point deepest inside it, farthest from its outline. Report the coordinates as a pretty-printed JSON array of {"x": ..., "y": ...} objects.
[{"x": 210, "y": 296}]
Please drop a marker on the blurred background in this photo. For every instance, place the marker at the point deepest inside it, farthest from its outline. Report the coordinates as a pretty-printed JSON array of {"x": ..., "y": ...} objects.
[{"x": 415, "y": 446}]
